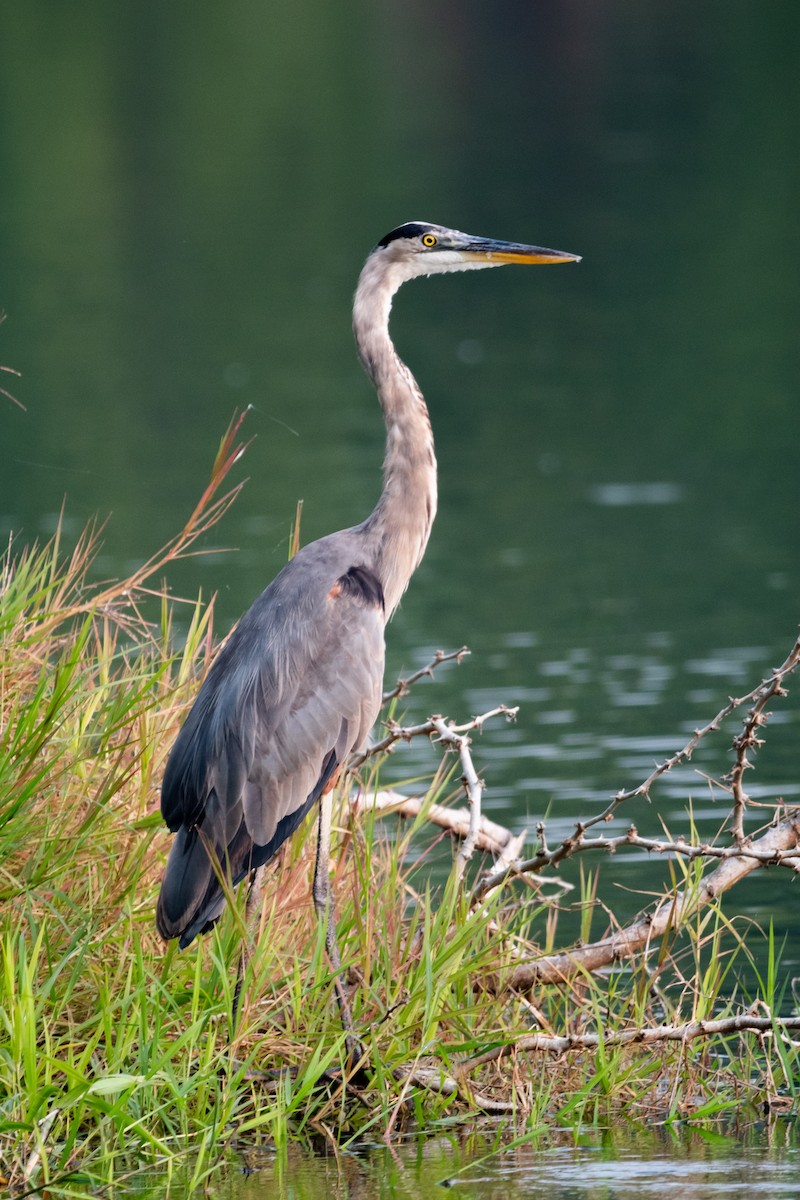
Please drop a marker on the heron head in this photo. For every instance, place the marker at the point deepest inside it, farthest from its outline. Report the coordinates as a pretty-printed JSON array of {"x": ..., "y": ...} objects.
[{"x": 419, "y": 248}]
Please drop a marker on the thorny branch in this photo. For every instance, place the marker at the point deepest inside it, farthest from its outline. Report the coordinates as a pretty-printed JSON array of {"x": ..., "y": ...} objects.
[
  {"x": 405, "y": 733},
  {"x": 772, "y": 686},
  {"x": 670, "y": 913},
  {"x": 788, "y": 856},
  {"x": 577, "y": 842},
  {"x": 748, "y": 739},
  {"x": 403, "y": 686},
  {"x": 779, "y": 845}
]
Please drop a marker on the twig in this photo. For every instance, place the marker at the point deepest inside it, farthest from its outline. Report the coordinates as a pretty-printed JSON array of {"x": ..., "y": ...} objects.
[
  {"x": 7, "y": 394},
  {"x": 403, "y": 686},
  {"x": 10, "y": 371},
  {"x": 405, "y": 733},
  {"x": 748, "y": 739}
]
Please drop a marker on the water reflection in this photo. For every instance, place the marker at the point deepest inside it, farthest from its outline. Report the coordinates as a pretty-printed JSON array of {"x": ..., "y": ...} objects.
[
  {"x": 617, "y": 495},
  {"x": 595, "y": 1164}
]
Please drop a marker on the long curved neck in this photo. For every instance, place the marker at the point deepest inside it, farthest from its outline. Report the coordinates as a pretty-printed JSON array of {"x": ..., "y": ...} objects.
[{"x": 399, "y": 527}]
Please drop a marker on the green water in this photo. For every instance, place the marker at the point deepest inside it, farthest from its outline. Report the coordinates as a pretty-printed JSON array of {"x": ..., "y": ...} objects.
[
  {"x": 591, "y": 1164},
  {"x": 186, "y": 195}
]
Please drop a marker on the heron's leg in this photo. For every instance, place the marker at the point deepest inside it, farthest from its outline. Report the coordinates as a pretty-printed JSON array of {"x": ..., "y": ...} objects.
[
  {"x": 250, "y": 912},
  {"x": 323, "y": 903}
]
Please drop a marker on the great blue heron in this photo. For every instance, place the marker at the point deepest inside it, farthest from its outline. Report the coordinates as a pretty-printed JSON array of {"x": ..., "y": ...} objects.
[{"x": 297, "y": 687}]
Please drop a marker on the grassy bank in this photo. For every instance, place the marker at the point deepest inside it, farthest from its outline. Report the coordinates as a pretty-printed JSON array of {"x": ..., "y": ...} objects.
[{"x": 115, "y": 1052}]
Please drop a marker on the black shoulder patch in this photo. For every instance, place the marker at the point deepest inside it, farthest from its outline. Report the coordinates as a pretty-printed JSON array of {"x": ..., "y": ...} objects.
[
  {"x": 363, "y": 585},
  {"x": 411, "y": 229}
]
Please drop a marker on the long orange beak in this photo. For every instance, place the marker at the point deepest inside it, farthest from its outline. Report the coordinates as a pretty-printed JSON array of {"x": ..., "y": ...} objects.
[{"x": 489, "y": 250}]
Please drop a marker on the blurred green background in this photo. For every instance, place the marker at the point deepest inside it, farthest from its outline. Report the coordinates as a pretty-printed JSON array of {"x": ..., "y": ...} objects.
[{"x": 187, "y": 192}]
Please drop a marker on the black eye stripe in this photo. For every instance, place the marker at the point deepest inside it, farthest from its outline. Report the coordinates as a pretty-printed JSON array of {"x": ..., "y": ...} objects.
[{"x": 412, "y": 229}]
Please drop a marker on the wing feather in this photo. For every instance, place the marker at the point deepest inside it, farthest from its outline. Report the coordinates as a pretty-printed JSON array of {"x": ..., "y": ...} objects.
[{"x": 295, "y": 690}]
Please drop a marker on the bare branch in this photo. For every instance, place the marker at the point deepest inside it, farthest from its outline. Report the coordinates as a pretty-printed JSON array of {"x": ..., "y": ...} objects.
[
  {"x": 503, "y": 872},
  {"x": 577, "y": 842},
  {"x": 403, "y": 686},
  {"x": 768, "y": 687},
  {"x": 472, "y": 785},
  {"x": 688, "y": 1031},
  {"x": 492, "y": 838},
  {"x": 670, "y": 913},
  {"x": 434, "y": 1079},
  {"x": 10, "y": 371}
]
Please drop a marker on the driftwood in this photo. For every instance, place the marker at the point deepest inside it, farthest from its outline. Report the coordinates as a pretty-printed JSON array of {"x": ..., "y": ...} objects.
[{"x": 669, "y": 914}]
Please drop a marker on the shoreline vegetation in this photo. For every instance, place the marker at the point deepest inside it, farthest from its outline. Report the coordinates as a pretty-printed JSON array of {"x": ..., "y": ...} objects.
[{"x": 116, "y": 1054}]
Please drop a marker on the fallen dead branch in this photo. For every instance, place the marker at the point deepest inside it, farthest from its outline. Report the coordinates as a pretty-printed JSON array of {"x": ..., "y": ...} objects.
[
  {"x": 670, "y": 913},
  {"x": 491, "y": 837},
  {"x": 778, "y": 845},
  {"x": 458, "y": 1084},
  {"x": 686, "y": 1032},
  {"x": 577, "y": 842},
  {"x": 748, "y": 739}
]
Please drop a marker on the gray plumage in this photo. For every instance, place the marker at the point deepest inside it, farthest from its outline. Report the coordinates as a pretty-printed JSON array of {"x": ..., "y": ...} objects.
[{"x": 297, "y": 687}]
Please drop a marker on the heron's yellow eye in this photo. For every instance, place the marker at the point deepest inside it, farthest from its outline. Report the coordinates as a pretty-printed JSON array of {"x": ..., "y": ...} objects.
[{"x": 428, "y": 240}]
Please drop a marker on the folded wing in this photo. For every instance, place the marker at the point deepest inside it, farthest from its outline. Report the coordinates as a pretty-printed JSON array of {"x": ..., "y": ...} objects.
[{"x": 295, "y": 690}]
